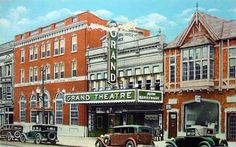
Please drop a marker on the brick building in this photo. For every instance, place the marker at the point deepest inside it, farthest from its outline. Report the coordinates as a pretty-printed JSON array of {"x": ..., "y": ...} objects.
[
  {"x": 57, "y": 53},
  {"x": 200, "y": 77}
]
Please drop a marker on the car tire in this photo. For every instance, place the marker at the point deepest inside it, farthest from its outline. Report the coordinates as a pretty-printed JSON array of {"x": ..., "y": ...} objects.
[
  {"x": 17, "y": 134},
  {"x": 130, "y": 143},
  {"x": 9, "y": 138},
  {"x": 52, "y": 136},
  {"x": 169, "y": 145},
  {"x": 223, "y": 143},
  {"x": 205, "y": 145},
  {"x": 37, "y": 138},
  {"x": 22, "y": 138},
  {"x": 98, "y": 143},
  {"x": 106, "y": 140}
]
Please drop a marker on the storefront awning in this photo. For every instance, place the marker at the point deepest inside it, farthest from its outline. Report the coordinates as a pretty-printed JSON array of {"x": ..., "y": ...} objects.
[{"x": 115, "y": 96}]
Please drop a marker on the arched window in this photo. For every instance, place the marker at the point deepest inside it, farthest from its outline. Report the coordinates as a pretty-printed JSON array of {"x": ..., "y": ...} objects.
[
  {"x": 46, "y": 101},
  {"x": 59, "y": 108},
  {"x": 22, "y": 109},
  {"x": 74, "y": 115},
  {"x": 33, "y": 113}
]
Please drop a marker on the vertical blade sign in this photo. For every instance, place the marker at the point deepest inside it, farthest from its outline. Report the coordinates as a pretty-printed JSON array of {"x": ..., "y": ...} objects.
[{"x": 112, "y": 52}]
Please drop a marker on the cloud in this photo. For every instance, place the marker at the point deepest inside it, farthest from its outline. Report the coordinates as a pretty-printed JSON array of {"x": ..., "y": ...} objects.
[
  {"x": 4, "y": 23},
  {"x": 121, "y": 19},
  {"x": 185, "y": 12},
  {"x": 16, "y": 13},
  {"x": 103, "y": 13},
  {"x": 212, "y": 10},
  {"x": 234, "y": 10}
]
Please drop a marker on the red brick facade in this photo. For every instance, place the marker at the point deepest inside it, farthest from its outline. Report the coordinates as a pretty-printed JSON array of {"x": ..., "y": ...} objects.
[
  {"x": 85, "y": 39},
  {"x": 202, "y": 30}
]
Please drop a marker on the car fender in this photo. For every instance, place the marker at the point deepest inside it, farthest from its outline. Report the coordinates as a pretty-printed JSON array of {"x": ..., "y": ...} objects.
[
  {"x": 25, "y": 136},
  {"x": 101, "y": 139},
  {"x": 132, "y": 139},
  {"x": 172, "y": 143},
  {"x": 205, "y": 142}
]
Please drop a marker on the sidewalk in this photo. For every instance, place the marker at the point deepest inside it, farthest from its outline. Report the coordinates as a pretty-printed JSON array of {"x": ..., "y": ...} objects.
[{"x": 90, "y": 141}]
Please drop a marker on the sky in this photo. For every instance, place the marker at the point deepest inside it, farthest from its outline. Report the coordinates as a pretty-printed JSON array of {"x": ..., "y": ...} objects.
[{"x": 170, "y": 16}]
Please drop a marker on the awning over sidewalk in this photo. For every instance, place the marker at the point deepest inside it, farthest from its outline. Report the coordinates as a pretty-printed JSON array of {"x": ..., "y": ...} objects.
[{"x": 115, "y": 96}]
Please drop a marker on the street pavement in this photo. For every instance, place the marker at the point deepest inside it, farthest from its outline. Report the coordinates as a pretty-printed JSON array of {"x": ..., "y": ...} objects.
[{"x": 65, "y": 141}]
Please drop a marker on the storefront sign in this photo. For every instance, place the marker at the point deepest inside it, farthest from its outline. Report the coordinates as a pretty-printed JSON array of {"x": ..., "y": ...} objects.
[
  {"x": 112, "y": 52},
  {"x": 150, "y": 96},
  {"x": 101, "y": 97}
]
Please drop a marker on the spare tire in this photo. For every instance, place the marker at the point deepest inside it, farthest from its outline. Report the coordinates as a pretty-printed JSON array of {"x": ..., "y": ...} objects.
[
  {"x": 17, "y": 134},
  {"x": 52, "y": 136}
]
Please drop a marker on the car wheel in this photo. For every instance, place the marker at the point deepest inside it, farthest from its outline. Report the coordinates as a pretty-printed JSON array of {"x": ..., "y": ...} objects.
[
  {"x": 9, "y": 136},
  {"x": 17, "y": 134},
  {"x": 169, "y": 145},
  {"x": 98, "y": 143},
  {"x": 106, "y": 140},
  {"x": 52, "y": 136},
  {"x": 37, "y": 139},
  {"x": 129, "y": 144},
  {"x": 223, "y": 143},
  {"x": 22, "y": 138},
  {"x": 204, "y": 145}
]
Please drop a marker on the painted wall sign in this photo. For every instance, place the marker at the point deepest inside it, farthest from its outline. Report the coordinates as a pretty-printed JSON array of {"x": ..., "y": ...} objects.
[
  {"x": 101, "y": 97},
  {"x": 112, "y": 52}
]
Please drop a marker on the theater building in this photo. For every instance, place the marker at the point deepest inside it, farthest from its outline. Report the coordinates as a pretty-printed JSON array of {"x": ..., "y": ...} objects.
[
  {"x": 139, "y": 75},
  {"x": 56, "y": 52},
  {"x": 200, "y": 77},
  {"x": 6, "y": 83}
]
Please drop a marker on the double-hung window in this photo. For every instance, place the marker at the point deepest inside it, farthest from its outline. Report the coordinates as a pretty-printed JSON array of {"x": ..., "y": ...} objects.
[
  {"x": 232, "y": 62},
  {"x": 62, "y": 46},
  {"x": 172, "y": 69},
  {"x": 22, "y": 55},
  {"x": 56, "y": 71},
  {"x": 74, "y": 68},
  {"x": 56, "y": 48},
  {"x": 74, "y": 43}
]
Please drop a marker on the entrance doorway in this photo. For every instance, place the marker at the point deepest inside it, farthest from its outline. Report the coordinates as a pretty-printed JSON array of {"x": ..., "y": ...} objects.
[
  {"x": 231, "y": 126},
  {"x": 172, "y": 131}
]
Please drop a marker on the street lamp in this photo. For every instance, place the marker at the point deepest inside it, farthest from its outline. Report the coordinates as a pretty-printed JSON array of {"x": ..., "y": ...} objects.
[{"x": 43, "y": 70}]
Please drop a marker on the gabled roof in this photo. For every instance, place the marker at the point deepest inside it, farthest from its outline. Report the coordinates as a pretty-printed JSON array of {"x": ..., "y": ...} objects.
[{"x": 217, "y": 28}]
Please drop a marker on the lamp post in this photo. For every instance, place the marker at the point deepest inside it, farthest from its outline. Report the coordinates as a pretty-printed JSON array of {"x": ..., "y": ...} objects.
[{"x": 43, "y": 69}]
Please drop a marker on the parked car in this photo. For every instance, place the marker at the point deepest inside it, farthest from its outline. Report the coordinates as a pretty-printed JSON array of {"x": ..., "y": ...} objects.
[
  {"x": 197, "y": 136},
  {"x": 127, "y": 136},
  {"x": 41, "y": 133},
  {"x": 11, "y": 131}
]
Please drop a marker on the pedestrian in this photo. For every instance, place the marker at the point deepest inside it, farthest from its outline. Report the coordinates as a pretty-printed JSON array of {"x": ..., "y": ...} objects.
[{"x": 158, "y": 133}]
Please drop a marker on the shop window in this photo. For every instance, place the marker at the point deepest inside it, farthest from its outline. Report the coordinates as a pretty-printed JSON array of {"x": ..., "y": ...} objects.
[
  {"x": 59, "y": 108},
  {"x": 157, "y": 85},
  {"x": 74, "y": 115},
  {"x": 139, "y": 84},
  {"x": 99, "y": 122},
  {"x": 22, "y": 109},
  {"x": 33, "y": 113}
]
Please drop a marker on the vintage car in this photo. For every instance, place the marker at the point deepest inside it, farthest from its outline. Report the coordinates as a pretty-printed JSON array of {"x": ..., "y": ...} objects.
[
  {"x": 127, "y": 136},
  {"x": 11, "y": 131},
  {"x": 41, "y": 133},
  {"x": 197, "y": 136}
]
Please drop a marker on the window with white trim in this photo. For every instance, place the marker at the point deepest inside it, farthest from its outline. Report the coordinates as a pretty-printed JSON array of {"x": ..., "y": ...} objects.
[
  {"x": 74, "y": 43},
  {"x": 35, "y": 73},
  {"x": 232, "y": 62},
  {"x": 74, "y": 68},
  {"x": 22, "y": 76},
  {"x": 33, "y": 113},
  {"x": 31, "y": 55},
  {"x": 48, "y": 49},
  {"x": 156, "y": 69},
  {"x": 74, "y": 114},
  {"x": 22, "y": 55},
  {"x": 137, "y": 71},
  {"x": 198, "y": 63},
  {"x": 31, "y": 73},
  {"x": 43, "y": 51},
  {"x": 146, "y": 70},
  {"x": 56, "y": 71},
  {"x": 22, "y": 108},
  {"x": 129, "y": 72},
  {"x": 172, "y": 69},
  {"x": 56, "y": 47},
  {"x": 62, "y": 46},
  {"x": 35, "y": 52},
  {"x": 62, "y": 70},
  {"x": 59, "y": 109},
  {"x": 48, "y": 72}
]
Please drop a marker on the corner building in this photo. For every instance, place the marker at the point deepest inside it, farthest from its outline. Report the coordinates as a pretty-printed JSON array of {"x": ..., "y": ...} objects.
[
  {"x": 57, "y": 53},
  {"x": 200, "y": 77}
]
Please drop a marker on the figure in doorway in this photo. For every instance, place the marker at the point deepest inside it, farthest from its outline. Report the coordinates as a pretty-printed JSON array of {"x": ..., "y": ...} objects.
[{"x": 158, "y": 133}]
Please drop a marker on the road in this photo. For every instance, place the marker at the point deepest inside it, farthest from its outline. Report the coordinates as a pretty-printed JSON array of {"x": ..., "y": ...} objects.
[{"x": 27, "y": 144}]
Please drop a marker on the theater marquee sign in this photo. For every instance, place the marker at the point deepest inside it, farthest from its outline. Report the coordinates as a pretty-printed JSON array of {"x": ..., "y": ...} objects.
[{"x": 116, "y": 96}]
